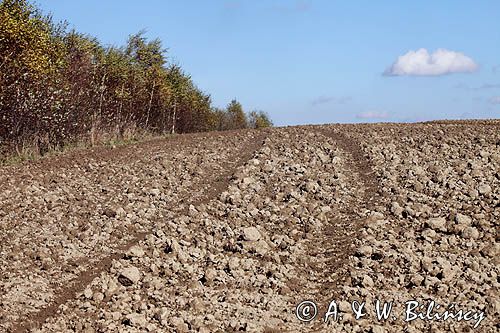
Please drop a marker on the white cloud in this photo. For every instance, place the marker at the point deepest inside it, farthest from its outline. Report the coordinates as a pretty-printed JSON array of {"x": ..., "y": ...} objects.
[
  {"x": 230, "y": 5},
  {"x": 488, "y": 86},
  {"x": 484, "y": 86},
  {"x": 423, "y": 63},
  {"x": 495, "y": 100},
  {"x": 331, "y": 99},
  {"x": 373, "y": 115},
  {"x": 297, "y": 6}
]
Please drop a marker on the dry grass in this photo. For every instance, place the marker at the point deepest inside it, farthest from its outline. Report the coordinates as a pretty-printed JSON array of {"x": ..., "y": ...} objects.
[{"x": 36, "y": 148}]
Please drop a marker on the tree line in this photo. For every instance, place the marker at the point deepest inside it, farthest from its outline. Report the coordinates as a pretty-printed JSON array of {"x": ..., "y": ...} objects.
[{"x": 59, "y": 86}]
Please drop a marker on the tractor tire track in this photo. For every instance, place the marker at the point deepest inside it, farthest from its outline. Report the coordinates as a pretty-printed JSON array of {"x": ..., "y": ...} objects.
[
  {"x": 331, "y": 247},
  {"x": 208, "y": 188}
]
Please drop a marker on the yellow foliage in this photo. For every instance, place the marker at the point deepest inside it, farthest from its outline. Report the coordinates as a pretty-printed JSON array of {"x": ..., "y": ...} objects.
[{"x": 26, "y": 42}]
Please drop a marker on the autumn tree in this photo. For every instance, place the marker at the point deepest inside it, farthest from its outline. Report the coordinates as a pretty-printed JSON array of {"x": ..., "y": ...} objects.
[
  {"x": 259, "y": 119},
  {"x": 31, "y": 56},
  {"x": 220, "y": 119},
  {"x": 236, "y": 116},
  {"x": 149, "y": 57},
  {"x": 59, "y": 86}
]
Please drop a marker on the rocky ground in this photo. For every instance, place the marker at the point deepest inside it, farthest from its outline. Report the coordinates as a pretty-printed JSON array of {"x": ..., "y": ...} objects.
[{"x": 229, "y": 232}]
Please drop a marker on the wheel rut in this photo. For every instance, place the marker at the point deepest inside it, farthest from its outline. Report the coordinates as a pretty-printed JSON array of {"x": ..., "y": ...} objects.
[
  {"x": 211, "y": 188},
  {"x": 335, "y": 242}
]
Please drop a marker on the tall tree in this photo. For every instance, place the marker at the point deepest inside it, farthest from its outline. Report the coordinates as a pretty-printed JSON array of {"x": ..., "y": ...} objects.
[
  {"x": 58, "y": 86},
  {"x": 149, "y": 56},
  {"x": 259, "y": 119},
  {"x": 237, "y": 117}
]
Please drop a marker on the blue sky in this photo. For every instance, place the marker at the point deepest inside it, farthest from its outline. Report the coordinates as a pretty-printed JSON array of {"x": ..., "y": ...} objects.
[{"x": 323, "y": 61}]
